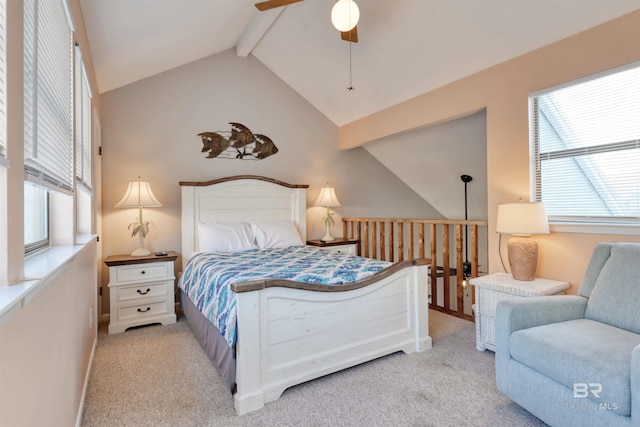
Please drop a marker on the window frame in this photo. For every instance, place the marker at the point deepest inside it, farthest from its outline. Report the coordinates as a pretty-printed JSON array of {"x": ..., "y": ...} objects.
[
  {"x": 594, "y": 224},
  {"x": 38, "y": 245}
]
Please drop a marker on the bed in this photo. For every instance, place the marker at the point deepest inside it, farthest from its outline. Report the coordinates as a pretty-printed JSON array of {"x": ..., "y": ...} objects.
[{"x": 290, "y": 332}]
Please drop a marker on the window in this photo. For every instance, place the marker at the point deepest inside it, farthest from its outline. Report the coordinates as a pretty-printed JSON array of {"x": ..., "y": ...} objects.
[
  {"x": 48, "y": 113},
  {"x": 83, "y": 132},
  {"x": 83, "y": 124},
  {"x": 48, "y": 81},
  {"x": 585, "y": 149},
  {"x": 36, "y": 223}
]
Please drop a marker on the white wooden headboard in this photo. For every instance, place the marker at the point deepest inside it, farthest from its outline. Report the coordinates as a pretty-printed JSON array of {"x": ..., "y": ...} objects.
[{"x": 246, "y": 198}]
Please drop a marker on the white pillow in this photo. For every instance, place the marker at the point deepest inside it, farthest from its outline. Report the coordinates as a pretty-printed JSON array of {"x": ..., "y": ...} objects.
[
  {"x": 276, "y": 234},
  {"x": 225, "y": 237}
]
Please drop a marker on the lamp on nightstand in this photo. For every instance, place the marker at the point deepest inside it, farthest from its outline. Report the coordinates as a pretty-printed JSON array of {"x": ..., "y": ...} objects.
[
  {"x": 139, "y": 195},
  {"x": 521, "y": 220},
  {"x": 327, "y": 199}
]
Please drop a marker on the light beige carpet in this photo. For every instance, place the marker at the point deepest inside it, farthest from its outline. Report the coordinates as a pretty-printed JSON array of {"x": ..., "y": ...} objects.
[{"x": 159, "y": 376}]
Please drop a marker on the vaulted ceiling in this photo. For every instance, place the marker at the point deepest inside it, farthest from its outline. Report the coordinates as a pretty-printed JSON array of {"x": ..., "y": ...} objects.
[{"x": 405, "y": 48}]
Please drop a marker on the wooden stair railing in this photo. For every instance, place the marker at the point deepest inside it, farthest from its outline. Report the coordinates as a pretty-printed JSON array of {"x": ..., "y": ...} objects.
[{"x": 392, "y": 239}]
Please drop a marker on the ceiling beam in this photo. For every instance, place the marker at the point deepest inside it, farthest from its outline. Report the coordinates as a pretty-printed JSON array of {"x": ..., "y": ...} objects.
[{"x": 257, "y": 28}]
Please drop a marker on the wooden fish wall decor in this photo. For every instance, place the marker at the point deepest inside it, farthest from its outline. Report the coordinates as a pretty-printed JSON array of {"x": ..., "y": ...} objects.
[{"x": 240, "y": 143}]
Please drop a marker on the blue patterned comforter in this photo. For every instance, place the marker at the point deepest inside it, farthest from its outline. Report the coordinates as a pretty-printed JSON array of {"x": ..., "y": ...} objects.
[{"x": 209, "y": 275}]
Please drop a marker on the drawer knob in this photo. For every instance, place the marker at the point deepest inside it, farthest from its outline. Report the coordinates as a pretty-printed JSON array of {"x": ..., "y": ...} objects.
[
  {"x": 145, "y": 292},
  {"x": 144, "y": 311},
  {"x": 142, "y": 272}
]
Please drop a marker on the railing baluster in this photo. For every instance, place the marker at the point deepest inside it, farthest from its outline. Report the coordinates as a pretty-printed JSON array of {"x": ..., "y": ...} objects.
[
  {"x": 400, "y": 241},
  {"x": 374, "y": 240},
  {"x": 383, "y": 226},
  {"x": 434, "y": 265},
  {"x": 392, "y": 240},
  {"x": 385, "y": 239},
  {"x": 410, "y": 251},
  {"x": 459, "y": 269},
  {"x": 474, "y": 259},
  {"x": 445, "y": 266},
  {"x": 365, "y": 238}
]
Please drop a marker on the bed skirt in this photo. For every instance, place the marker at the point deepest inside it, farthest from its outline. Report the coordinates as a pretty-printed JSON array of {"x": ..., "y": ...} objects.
[{"x": 214, "y": 345}]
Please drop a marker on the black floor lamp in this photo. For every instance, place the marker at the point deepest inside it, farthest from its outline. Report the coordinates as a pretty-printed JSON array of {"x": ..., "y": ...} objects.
[{"x": 466, "y": 266}]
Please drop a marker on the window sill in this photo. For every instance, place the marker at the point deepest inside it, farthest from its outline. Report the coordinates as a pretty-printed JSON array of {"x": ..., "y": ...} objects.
[
  {"x": 595, "y": 228},
  {"x": 39, "y": 270}
]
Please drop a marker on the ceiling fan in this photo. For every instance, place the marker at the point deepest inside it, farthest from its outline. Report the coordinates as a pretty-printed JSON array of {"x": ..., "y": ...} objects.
[{"x": 344, "y": 16}]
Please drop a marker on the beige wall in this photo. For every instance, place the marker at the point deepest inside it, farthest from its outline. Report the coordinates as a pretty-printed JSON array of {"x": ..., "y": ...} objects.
[
  {"x": 150, "y": 128},
  {"x": 504, "y": 91},
  {"x": 45, "y": 346},
  {"x": 46, "y": 349}
]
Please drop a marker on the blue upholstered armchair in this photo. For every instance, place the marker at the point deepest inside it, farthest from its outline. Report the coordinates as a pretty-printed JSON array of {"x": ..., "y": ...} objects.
[{"x": 575, "y": 360}]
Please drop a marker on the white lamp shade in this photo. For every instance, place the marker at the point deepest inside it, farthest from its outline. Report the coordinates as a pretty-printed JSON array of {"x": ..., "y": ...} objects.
[
  {"x": 345, "y": 15},
  {"x": 327, "y": 198},
  {"x": 138, "y": 194},
  {"x": 522, "y": 219}
]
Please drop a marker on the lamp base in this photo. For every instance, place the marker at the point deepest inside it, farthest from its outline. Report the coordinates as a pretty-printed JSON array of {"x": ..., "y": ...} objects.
[
  {"x": 523, "y": 257},
  {"x": 141, "y": 252},
  {"x": 327, "y": 235}
]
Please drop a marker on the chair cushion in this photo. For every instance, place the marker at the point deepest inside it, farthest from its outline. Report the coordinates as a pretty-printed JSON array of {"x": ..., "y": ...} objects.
[
  {"x": 581, "y": 351},
  {"x": 615, "y": 298}
]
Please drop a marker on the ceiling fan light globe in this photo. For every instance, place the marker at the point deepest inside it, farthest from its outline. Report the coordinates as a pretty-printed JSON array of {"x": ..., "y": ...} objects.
[{"x": 345, "y": 15}]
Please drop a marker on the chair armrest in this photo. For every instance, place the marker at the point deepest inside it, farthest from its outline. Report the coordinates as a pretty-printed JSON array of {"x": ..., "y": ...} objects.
[{"x": 522, "y": 313}]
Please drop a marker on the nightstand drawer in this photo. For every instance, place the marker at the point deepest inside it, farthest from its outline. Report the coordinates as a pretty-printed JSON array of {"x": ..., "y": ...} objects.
[
  {"x": 142, "y": 310},
  {"x": 142, "y": 272},
  {"x": 142, "y": 291}
]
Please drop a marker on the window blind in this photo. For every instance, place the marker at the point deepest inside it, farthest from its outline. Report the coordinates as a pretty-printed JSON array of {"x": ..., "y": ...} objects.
[
  {"x": 48, "y": 51},
  {"x": 83, "y": 123},
  {"x": 3, "y": 84},
  {"x": 585, "y": 149}
]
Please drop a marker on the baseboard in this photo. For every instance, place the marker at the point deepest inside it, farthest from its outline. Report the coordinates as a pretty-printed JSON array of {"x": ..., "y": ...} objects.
[{"x": 86, "y": 383}]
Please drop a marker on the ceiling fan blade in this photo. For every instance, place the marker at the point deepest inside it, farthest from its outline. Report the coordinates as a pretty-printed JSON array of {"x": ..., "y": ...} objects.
[
  {"x": 350, "y": 36},
  {"x": 272, "y": 4}
]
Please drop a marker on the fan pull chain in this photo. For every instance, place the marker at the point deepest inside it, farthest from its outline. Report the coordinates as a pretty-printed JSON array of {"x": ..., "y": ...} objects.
[{"x": 350, "y": 88}]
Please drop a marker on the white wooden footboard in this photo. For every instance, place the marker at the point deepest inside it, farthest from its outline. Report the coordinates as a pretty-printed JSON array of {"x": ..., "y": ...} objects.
[{"x": 287, "y": 336}]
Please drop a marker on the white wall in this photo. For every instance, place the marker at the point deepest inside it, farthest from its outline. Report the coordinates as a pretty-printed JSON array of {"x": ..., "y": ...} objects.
[
  {"x": 431, "y": 160},
  {"x": 150, "y": 129}
]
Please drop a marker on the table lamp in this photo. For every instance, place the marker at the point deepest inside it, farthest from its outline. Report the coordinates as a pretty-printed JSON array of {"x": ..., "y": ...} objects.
[
  {"x": 522, "y": 220},
  {"x": 327, "y": 199},
  {"x": 139, "y": 195}
]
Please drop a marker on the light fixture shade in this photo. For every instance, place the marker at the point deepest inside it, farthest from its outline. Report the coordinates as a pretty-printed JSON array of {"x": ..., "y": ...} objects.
[
  {"x": 327, "y": 198},
  {"x": 522, "y": 219},
  {"x": 138, "y": 194},
  {"x": 345, "y": 15}
]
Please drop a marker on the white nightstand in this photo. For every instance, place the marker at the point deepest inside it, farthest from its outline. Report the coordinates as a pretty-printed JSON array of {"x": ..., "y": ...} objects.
[
  {"x": 345, "y": 246},
  {"x": 497, "y": 287},
  {"x": 141, "y": 290}
]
